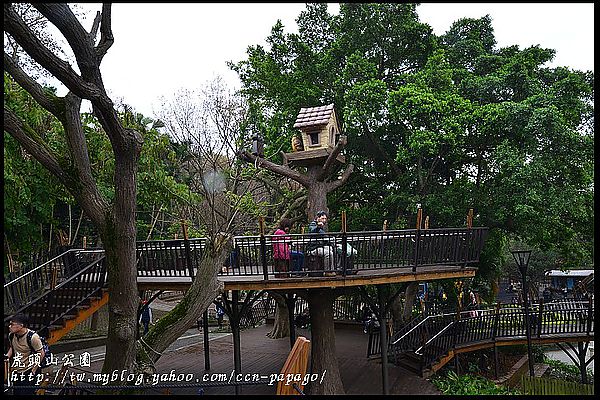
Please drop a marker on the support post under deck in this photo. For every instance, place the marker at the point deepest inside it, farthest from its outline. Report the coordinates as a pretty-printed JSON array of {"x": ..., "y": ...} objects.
[
  {"x": 235, "y": 330},
  {"x": 206, "y": 346},
  {"x": 384, "y": 345},
  {"x": 290, "y": 301}
]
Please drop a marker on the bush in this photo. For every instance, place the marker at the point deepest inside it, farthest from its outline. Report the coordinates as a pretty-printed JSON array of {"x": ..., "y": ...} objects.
[
  {"x": 468, "y": 384},
  {"x": 566, "y": 372}
]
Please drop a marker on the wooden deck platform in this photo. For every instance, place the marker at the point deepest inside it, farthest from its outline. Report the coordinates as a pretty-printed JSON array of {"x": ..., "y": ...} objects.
[
  {"x": 363, "y": 277},
  {"x": 267, "y": 356}
]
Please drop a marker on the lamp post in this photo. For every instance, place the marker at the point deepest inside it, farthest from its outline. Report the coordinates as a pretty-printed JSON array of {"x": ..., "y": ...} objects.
[{"x": 522, "y": 259}]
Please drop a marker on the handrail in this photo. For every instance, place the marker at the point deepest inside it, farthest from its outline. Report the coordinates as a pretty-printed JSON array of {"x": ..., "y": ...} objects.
[
  {"x": 366, "y": 233},
  {"x": 434, "y": 337},
  {"x": 38, "y": 267},
  {"x": 77, "y": 274}
]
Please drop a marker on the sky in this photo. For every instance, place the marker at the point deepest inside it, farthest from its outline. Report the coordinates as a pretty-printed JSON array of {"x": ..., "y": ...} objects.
[{"x": 160, "y": 48}]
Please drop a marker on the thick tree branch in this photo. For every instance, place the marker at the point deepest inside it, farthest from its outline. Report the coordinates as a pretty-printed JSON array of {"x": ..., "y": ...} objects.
[
  {"x": 336, "y": 184},
  {"x": 295, "y": 205},
  {"x": 42, "y": 97},
  {"x": 77, "y": 143},
  {"x": 77, "y": 37},
  {"x": 36, "y": 49},
  {"x": 276, "y": 168},
  {"x": 25, "y": 136},
  {"x": 382, "y": 151},
  {"x": 329, "y": 163}
]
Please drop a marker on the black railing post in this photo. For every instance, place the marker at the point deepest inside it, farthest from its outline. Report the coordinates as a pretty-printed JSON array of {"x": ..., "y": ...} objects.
[
  {"x": 188, "y": 255},
  {"x": 417, "y": 237},
  {"x": 589, "y": 316},
  {"x": 263, "y": 247},
  {"x": 344, "y": 244},
  {"x": 205, "y": 334},
  {"x": 540, "y": 316},
  {"x": 468, "y": 237}
]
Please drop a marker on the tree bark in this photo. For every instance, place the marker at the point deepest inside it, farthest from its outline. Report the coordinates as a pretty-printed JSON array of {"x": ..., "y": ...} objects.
[
  {"x": 323, "y": 351},
  {"x": 204, "y": 289},
  {"x": 396, "y": 309},
  {"x": 409, "y": 300},
  {"x": 281, "y": 325}
]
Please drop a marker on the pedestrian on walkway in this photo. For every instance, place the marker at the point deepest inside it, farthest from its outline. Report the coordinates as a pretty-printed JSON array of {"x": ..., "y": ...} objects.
[
  {"x": 146, "y": 316},
  {"x": 19, "y": 352},
  {"x": 220, "y": 313}
]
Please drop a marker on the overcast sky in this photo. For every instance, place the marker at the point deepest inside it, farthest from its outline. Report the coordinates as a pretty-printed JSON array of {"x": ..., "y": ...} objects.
[{"x": 162, "y": 47}]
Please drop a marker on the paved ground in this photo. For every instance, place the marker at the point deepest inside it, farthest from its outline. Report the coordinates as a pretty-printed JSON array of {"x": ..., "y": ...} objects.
[{"x": 264, "y": 356}]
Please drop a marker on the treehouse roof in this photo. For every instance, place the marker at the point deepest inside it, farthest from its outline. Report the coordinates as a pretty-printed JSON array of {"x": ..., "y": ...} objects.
[{"x": 313, "y": 116}]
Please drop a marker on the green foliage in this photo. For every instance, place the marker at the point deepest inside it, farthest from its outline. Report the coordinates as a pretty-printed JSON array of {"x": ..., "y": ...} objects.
[
  {"x": 31, "y": 192},
  {"x": 566, "y": 372},
  {"x": 469, "y": 384},
  {"x": 450, "y": 122}
]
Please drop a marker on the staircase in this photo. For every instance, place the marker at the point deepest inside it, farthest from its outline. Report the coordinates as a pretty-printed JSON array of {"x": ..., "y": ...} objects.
[{"x": 61, "y": 306}]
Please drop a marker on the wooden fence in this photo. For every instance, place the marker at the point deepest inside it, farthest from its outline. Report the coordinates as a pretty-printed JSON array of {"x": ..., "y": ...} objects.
[{"x": 544, "y": 386}]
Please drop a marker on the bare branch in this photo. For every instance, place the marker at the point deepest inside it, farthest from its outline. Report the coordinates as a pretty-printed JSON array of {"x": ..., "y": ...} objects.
[
  {"x": 336, "y": 184},
  {"x": 329, "y": 163},
  {"x": 76, "y": 141},
  {"x": 276, "y": 168},
  {"x": 106, "y": 39},
  {"x": 95, "y": 26},
  {"x": 77, "y": 37},
  {"x": 40, "y": 53},
  {"x": 45, "y": 99}
]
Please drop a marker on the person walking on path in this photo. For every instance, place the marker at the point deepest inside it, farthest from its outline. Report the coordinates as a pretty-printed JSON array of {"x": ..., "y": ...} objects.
[
  {"x": 23, "y": 355},
  {"x": 146, "y": 315}
]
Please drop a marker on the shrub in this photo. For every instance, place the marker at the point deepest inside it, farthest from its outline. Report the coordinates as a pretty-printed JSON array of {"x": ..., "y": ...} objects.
[{"x": 468, "y": 384}]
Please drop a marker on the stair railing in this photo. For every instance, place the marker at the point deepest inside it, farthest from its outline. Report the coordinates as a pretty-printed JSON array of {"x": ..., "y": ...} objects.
[
  {"x": 53, "y": 305},
  {"x": 30, "y": 285}
]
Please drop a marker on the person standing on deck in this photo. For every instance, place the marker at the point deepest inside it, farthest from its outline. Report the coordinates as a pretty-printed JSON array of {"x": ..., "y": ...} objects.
[{"x": 319, "y": 246}]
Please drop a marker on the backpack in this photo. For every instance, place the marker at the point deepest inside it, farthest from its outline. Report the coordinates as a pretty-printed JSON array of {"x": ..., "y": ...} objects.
[{"x": 44, "y": 362}]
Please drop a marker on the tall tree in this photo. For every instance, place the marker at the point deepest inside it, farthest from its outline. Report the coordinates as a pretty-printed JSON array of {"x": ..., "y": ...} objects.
[
  {"x": 451, "y": 122},
  {"x": 115, "y": 219}
]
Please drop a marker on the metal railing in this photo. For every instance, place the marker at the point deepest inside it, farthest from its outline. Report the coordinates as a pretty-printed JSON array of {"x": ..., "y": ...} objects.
[
  {"x": 435, "y": 336},
  {"x": 49, "y": 309},
  {"x": 169, "y": 258},
  {"x": 24, "y": 288},
  {"x": 347, "y": 253}
]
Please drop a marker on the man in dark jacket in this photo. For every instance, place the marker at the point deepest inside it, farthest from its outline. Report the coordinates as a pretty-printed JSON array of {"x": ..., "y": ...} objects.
[{"x": 320, "y": 246}]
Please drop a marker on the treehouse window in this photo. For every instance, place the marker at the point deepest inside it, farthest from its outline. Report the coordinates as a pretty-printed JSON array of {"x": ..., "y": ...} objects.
[{"x": 314, "y": 138}]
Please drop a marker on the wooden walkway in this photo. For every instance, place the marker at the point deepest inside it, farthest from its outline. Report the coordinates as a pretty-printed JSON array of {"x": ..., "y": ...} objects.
[
  {"x": 266, "y": 356},
  {"x": 363, "y": 277}
]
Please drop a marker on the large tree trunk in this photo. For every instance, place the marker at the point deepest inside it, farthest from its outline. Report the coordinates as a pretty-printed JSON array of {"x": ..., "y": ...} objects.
[
  {"x": 397, "y": 311},
  {"x": 409, "y": 300},
  {"x": 323, "y": 351},
  {"x": 119, "y": 238},
  {"x": 204, "y": 289},
  {"x": 317, "y": 198},
  {"x": 281, "y": 325}
]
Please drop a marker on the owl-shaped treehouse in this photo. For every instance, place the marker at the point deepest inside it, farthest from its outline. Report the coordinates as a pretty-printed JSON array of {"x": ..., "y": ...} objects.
[{"x": 320, "y": 132}]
